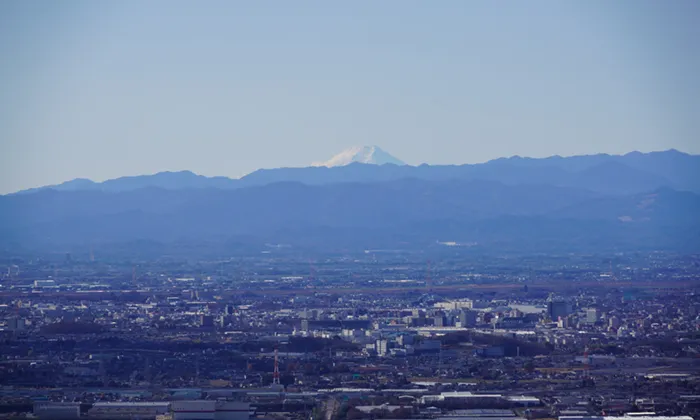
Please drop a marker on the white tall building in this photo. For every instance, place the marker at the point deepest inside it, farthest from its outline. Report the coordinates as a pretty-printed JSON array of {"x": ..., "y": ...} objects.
[
  {"x": 382, "y": 347},
  {"x": 592, "y": 315}
]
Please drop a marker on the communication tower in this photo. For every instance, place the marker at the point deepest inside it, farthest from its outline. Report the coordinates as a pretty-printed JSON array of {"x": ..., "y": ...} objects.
[
  {"x": 276, "y": 372},
  {"x": 586, "y": 363}
]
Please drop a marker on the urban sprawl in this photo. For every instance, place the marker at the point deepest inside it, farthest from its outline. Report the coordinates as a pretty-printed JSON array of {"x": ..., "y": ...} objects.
[{"x": 380, "y": 334}]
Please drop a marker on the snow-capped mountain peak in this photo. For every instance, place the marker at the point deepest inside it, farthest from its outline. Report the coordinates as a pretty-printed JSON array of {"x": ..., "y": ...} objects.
[{"x": 361, "y": 154}]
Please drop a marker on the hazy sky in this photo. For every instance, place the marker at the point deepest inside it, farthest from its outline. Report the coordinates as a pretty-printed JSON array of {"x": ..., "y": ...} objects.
[{"x": 103, "y": 89}]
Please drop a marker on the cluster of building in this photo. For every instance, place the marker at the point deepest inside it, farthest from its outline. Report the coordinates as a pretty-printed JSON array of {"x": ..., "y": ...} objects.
[{"x": 177, "y": 341}]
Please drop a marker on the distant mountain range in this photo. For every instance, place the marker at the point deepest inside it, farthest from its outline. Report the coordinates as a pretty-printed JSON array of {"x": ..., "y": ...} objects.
[
  {"x": 609, "y": 174},
  {"x": 167, "y": 180},
  {"x": 585, "y": 203}
]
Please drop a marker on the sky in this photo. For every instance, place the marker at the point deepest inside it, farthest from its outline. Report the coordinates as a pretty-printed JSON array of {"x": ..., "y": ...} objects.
[{"x": 106, "y": 89}]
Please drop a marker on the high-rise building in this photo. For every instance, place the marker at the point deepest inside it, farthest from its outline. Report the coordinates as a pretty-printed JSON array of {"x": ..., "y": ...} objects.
[
  {"x": 439, "y": 320},
  {"x": 614, "y": 322},
  {"x": 557, "y": 308},
  {"x": 467, "y": 318},
  {"x": 382, "y": 347},
  {"x": 592, "y": 315}
]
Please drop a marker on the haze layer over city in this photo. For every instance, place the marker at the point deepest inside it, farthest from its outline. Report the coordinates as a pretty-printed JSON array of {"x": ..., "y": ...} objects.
[{"x": 366, "y": 210}]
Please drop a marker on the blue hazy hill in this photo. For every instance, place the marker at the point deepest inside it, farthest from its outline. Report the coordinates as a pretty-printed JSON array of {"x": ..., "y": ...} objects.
[
  {"x": 611, "y": 174},
  {"x": 407, "y": 212}
]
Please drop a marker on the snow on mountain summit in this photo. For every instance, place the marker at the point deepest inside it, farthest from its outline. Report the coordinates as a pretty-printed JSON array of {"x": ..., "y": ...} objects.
[{"x": 361, "y": 154}]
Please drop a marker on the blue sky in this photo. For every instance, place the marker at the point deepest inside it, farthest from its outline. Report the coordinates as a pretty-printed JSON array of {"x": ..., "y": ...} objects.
[{"x": 105, "y": 89}]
